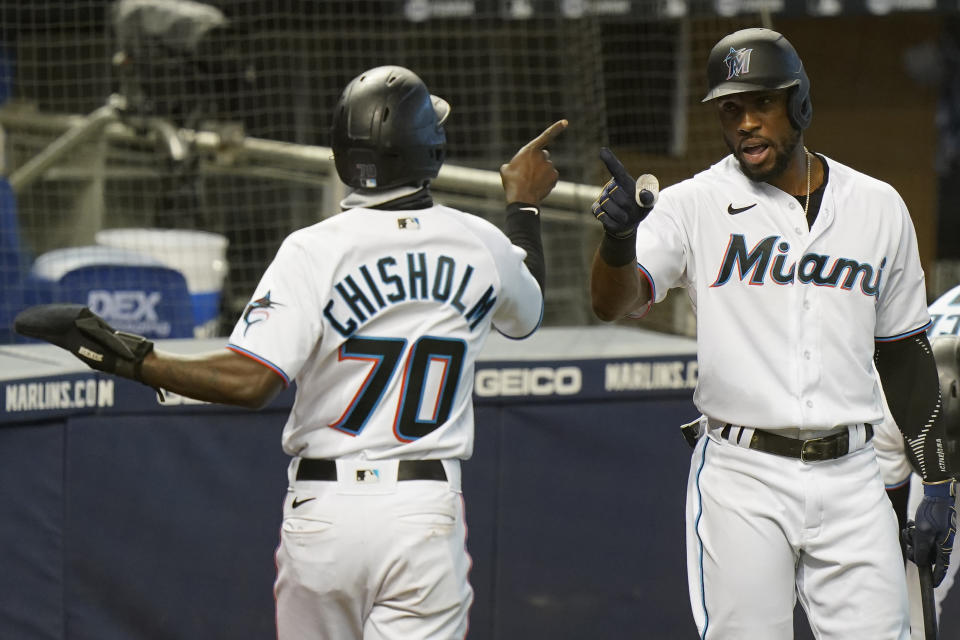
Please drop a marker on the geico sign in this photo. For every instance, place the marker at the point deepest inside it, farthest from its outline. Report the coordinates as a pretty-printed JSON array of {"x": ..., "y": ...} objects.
[{"x": 535, "y": 381}]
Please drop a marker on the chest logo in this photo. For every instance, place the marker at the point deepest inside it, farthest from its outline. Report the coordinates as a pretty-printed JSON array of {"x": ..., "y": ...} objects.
[
  {"x": 770, "y": 258},
  {"x": 735, "y": 210}
]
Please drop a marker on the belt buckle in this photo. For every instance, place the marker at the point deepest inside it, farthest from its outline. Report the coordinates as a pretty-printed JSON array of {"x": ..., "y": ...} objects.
[{"x": 809, "y": 451}]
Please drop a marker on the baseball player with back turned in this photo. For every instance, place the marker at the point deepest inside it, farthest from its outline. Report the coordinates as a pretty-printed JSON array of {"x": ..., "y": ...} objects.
[
  {"x": 378, "y": 313},
  {"x": 802, "y": 273}
]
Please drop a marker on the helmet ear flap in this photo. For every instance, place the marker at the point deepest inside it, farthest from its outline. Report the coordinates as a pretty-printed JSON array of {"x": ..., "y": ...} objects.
[{"x": 800, "y": 108}]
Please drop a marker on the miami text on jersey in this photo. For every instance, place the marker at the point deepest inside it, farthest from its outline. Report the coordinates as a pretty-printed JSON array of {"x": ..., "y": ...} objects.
[
  {"x": 386, "y": 282},
  {"x": 815, "y": 268}
]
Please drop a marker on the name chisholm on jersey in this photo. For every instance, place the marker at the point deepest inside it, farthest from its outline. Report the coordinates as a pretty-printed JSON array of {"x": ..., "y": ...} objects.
[
  {"x": 386, "y": 285},
  {"x": 812, "y": 267}
]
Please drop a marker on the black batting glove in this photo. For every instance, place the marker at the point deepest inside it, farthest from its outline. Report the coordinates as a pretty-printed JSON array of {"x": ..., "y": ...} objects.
[
  {"x": 929, "y": 539},
  {"x": 620, "y": 208},
  {"x": 87, "y": 336}
]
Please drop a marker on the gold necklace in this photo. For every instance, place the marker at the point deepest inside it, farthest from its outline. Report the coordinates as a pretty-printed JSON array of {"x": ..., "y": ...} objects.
[{"x": 806, "y": 205}]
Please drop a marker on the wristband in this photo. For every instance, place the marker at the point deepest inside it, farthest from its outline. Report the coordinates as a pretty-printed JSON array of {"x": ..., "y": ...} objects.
[
  {"x": 943, "y": 489},
  {"x": 522, "y": 228},
  {"x": 618, "y": 252},
  {"x": 517, "y": 207}
]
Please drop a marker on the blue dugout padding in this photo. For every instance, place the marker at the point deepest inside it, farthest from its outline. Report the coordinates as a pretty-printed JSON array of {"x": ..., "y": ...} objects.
[
  {"x": 127, "y": 519},
  {"x": 14, "y": 260},
  {"x": 132, "y": 291}
]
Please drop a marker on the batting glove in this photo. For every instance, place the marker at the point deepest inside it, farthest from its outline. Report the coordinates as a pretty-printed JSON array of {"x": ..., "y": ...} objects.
[
  {"x": 929, "y": 539},
  {"x": 87, "y": 336},
  {"x": 621, "y": 205}
]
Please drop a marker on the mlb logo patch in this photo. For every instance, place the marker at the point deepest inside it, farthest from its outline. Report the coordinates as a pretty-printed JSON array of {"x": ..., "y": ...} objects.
[
  {"x": 367, "y": 174},
  {"x": 368, "y": 476},
  {"x": 408, "y": 223}
]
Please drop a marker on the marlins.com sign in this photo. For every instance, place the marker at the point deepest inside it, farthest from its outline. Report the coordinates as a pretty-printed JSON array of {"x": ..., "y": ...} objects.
[
  {"x": 59, "y": 394},
  {"x": 650, "y": 376}
]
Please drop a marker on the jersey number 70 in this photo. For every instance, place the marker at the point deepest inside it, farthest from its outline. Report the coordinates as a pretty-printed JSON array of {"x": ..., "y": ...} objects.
[{"x": 431, "y": 375}]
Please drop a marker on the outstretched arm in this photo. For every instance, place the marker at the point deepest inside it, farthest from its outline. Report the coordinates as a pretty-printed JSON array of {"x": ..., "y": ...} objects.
[
  {"x": 220, "y": 376},
  {"x": 224, "y": 376}
]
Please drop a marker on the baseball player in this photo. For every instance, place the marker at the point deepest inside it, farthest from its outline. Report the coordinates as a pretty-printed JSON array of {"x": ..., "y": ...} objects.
[
  {"x": 378, "y": 313},
  {"x": 895, "y": 469},
  {"x": 802, "y": 273}
]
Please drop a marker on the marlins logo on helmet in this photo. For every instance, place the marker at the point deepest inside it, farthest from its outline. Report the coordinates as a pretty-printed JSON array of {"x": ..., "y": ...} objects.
[{"x": 738, "y": 61}]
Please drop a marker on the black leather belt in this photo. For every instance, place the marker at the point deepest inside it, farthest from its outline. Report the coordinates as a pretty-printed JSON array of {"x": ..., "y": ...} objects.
[
  {"x": 320, "y": 469},
  {"x": 814, "y": 450}
]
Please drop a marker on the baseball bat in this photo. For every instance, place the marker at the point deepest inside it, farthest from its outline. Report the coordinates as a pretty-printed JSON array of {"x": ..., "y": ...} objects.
[
  {"x": 648, "y": 189},
  {"x": 929, "y": 602}
]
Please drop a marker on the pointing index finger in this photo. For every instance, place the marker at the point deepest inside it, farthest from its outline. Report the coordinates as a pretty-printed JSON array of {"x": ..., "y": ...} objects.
[
  {"x": 547, "y": 136},
  {"x": 616, "y": 168}
]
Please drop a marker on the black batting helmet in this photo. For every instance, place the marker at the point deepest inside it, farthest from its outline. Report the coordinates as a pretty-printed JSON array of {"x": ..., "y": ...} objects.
[
  {"x": 756, "y": 60},
  {"x": 388, "y": 130}
]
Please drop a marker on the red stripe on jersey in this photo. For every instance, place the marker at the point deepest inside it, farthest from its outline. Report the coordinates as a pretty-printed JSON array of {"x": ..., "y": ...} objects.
[{"x": 277, "y": 370}]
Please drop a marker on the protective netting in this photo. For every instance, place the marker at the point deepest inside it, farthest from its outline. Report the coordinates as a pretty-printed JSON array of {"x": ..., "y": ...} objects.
[{"x": 154, "y": 115}]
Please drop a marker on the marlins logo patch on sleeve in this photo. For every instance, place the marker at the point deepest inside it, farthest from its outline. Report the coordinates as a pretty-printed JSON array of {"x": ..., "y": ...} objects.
[{"x": 258, "y": 310}]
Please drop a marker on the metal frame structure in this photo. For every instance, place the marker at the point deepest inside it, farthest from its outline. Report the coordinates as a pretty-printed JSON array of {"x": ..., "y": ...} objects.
[{"x": 237, "y": 153}]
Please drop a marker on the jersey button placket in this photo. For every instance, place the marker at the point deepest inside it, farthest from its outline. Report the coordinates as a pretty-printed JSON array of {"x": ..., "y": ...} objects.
[
  {"x": 796, "y": 218},
  {"x": 810, "y": 376}
]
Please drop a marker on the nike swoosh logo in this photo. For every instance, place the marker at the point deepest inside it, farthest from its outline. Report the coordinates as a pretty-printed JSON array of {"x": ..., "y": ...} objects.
[
  {"x": 532, "y": 210},
  {"x": 297, "y": 502},
  {"x": 735, "y": 210}
]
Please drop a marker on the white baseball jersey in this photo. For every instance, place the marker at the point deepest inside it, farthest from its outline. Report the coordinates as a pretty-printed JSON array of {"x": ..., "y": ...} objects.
[
  {"x": 379, "y": 316},
  {"x": 786, "y": 314},
  {"x": 787, "y": 319}
]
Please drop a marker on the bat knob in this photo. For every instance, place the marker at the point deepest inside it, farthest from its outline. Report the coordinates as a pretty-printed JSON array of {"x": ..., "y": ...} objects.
[{"x": 648, "y": 190}]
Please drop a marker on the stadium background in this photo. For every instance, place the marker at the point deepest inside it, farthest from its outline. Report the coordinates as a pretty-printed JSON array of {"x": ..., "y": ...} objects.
[
  {"x": 626, "y": 74},
  {"x": 219, "y": 124}
]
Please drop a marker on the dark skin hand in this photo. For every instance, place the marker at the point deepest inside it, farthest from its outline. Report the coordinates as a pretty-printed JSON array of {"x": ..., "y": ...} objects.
[
  {"x": 530, "y": 175},
  {"x": 226, "y": 377}
]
